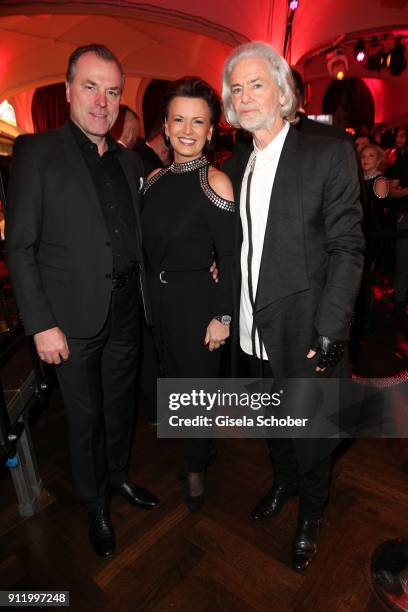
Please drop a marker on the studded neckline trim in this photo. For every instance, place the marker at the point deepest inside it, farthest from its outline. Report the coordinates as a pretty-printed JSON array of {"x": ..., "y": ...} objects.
[
  {"x": 189, "y": 166},
  {"x": 202, "y": 165}
]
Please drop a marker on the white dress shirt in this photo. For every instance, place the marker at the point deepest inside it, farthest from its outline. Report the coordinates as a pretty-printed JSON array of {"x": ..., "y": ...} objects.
[{"x": 263, "y": 177}]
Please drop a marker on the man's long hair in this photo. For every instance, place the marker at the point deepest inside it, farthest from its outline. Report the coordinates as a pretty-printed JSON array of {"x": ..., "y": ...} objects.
[{"x": 280, "y": 70}]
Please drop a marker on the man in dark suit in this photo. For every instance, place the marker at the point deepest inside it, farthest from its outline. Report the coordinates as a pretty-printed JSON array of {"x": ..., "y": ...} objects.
[
  {"x": 298, "y": 264},
  {"x": 153, "y": 152},
  {"x": 127, "y": 127},
  {"x": 75, "y": 259},
  {"x": 308, "y": 126}
]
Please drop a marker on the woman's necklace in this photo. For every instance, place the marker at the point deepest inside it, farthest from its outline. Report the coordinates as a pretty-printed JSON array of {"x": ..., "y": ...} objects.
[{"x": 367, "y": 177}]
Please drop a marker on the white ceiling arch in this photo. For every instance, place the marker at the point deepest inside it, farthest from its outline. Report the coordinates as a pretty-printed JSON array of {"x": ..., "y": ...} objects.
[
  {"x": 169, "y": 38},
  {"x": 158, "y": 39}
]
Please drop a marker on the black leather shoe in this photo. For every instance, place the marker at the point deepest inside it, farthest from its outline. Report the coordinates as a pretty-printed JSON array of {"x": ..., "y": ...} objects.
[
  {"x": 272, "y": 503},
  {"x": 101, "y": 534},
  {"x": 305, "y": 544},
  {"x": 136, "y": 496}
]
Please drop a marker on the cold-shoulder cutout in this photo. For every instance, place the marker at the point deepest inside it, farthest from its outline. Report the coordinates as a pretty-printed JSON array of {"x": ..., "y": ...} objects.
[
  {"x": 220, "y": 183},
  {"x": 381, "y": 187}
]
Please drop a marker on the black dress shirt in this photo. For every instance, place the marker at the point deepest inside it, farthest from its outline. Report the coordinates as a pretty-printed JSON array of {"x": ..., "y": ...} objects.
[{"x": 115, "y": 199}]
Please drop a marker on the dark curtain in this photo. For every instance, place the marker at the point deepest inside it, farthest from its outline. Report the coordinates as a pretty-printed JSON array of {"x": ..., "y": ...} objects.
[
  {"x": 49, "y": 108},
  {"x": 351, "y": 104}
]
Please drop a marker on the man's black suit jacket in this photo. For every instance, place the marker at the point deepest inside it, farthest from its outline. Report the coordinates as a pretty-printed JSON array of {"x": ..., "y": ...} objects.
[
  {"x": 58, "y": 248},
  {"x": 312, "y": 256}
]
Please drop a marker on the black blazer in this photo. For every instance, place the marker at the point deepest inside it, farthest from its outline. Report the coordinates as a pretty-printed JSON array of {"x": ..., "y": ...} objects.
[
  {"x": 312, "y": 257},
  {"x": 58, "y": 249}
]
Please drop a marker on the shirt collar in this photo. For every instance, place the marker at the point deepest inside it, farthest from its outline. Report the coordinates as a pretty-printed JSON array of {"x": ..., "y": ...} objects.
[
  {"x": 86, "y": 143},
  {"x": 275, "y": 146}
]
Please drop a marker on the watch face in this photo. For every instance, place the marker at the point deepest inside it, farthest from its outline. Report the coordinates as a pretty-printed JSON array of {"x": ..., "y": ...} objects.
[{"x": 225, "y": 319}]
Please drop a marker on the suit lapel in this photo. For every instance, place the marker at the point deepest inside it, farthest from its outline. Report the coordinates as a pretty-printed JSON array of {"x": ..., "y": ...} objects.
[
  {"x": 128, "y": 167},
  {"x": 237, "y": 175},
  {"x": 283, "y": 268},
  {"x": 78, "y": 166}
]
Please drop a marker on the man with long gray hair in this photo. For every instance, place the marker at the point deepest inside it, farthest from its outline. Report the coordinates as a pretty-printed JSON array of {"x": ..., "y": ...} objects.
[{"x": 299, "y": 265}]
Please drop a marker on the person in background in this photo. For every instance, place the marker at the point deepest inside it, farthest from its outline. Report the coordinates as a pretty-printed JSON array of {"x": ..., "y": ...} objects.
[
  {"x": 376, "y": 204},
  {"x": 126, "y": 129},
  {"x": 398, "y": 177},
  {"x": 399, "y": 148},
  {"x": 401, "y": 142},
  {"x": 154, "y": 152},
  {"x": 360, "y": 142},
  {"x": 377, "y": 189},
  {"x": 302, "y": 122}
]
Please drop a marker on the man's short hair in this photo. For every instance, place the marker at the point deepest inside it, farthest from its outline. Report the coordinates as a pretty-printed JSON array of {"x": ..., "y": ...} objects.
[
  {"x": 280, "y": 70},
  {"x": 100, "y": 51},
  {"x": 127, "y": 109},
  {"x": 117, "y": 128}
]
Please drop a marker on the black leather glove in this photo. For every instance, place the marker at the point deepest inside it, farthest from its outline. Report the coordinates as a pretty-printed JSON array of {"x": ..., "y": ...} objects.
[{"x": 329, "y": 351}]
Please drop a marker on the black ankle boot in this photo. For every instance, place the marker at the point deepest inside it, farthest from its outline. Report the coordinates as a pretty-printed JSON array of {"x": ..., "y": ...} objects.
[
  {"x": 305, "y": 543},
  {"x": 272, "y": 503},
  {"x": 101, "y": 534}
]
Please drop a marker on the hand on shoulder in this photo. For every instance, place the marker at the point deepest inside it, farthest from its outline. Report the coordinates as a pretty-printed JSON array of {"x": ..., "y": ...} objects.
[{"x": 220, "y": 183}]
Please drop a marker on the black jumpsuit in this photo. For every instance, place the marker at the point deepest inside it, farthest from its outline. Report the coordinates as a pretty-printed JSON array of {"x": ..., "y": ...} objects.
[{"x": 185, "y": 226}]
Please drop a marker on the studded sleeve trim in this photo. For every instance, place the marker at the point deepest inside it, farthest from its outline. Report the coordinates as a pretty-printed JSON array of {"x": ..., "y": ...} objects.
[
  {"x": 155, "y": 178},
  {"x": 227, "y": 205}
]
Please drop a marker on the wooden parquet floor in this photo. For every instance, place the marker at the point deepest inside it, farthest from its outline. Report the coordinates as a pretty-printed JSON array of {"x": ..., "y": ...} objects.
[{"x": 216, "y": 559}]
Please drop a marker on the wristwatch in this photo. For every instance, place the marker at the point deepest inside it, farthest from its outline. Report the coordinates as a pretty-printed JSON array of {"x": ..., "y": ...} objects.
[{"x": 224, "y": 319}]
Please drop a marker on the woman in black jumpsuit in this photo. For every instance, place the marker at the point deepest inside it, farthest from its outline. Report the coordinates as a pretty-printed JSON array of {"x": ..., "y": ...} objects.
[{"x": 188, "y": 220}]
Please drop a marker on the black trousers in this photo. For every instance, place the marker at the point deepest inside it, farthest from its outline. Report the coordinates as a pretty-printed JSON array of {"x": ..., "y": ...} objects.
[
  {"x": 182, "y": 309},
  {"x": 150, "y": 371},
  {"x": 98, "y": 388},
  {"x": 313, "y": 486}
]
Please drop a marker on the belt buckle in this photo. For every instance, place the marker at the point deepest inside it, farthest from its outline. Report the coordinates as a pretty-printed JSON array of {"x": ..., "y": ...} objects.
[{"x": 162, "y": 280}]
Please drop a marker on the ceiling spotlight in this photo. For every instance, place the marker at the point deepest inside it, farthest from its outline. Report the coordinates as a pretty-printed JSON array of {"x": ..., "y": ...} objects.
[
  {"x": 377, "y": 61},
  {"x": 359, "y": 51},
  {"x": 337, "y": 64},
  {"x": 396, "y": 61}
]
